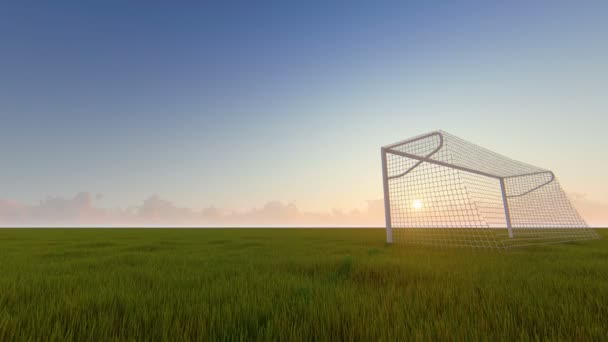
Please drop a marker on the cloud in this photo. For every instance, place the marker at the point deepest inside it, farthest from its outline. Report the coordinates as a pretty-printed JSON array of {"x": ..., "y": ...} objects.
[
  {"x": 11, "y": 211},
  {"x": 67, "y": 211},
  {"x": 276, "y": 213},
  {"x": 81, "y": 210},
  {"x": 53, "y": 211},
  {"x": 594, "y": 212}
]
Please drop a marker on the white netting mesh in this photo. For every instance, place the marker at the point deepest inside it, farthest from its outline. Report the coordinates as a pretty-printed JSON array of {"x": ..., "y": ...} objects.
[{"x": 443, "y": 190}]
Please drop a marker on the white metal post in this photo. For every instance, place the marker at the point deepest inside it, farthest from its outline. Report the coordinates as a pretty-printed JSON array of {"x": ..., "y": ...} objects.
[
  {"x": 505, "y": 203},
  {"x": 387, "y": 202}
]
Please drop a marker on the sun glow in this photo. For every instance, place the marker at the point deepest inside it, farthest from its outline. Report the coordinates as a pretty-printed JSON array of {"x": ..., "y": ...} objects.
[{"x": 417, "y": 204}]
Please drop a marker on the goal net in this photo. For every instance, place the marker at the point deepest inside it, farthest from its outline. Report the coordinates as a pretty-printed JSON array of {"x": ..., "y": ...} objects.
[{"x": 442, "y": 190}]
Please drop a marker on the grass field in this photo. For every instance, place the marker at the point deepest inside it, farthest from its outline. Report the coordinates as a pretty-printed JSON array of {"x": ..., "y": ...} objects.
[{"x": 292, "y": 284}]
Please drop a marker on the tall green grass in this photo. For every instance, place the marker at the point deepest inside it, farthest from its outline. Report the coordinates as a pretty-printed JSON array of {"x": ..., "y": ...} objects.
[{"x": 292, "y": 284}]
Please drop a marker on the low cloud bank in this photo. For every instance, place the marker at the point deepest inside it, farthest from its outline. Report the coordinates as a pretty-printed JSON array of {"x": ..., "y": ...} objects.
[
  {"x": 81, "y": 210},
  {"x": 594, "y": 212}
]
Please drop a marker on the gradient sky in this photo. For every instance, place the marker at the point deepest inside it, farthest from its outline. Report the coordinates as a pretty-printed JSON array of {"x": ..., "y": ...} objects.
[{"x": 236, "y": 104}]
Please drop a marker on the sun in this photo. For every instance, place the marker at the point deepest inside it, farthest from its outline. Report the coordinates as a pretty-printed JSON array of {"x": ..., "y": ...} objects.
[{"x": 417, "y": 204}]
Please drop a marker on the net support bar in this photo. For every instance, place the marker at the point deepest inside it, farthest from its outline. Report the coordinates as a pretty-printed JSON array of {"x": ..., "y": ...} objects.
[{"x": 441, "y": 163}]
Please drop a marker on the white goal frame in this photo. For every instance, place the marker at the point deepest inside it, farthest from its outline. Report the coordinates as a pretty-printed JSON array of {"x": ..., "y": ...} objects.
[{"x": 494, "y": 201}]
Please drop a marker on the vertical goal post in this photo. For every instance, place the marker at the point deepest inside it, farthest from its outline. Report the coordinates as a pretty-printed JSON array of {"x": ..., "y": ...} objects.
[
  {"x": 442, "y": 190},
  {"x": 387, "y": 203}
]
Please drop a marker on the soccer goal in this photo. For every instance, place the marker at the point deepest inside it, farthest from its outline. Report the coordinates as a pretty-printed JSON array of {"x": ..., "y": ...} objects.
[{"x": 442, "y": 190}]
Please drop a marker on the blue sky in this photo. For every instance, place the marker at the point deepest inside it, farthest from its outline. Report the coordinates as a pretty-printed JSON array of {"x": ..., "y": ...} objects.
[{"x": 235, "y": 104}]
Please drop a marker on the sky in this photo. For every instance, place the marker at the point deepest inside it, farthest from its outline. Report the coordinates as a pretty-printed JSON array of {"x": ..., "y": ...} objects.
[{"x": 111, "y": 107}]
